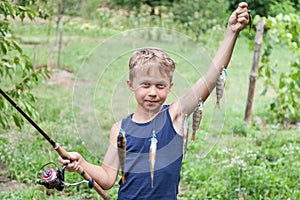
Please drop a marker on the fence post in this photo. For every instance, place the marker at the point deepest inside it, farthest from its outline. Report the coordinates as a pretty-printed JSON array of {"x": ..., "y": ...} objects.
[{"x": 254, "y": 70}]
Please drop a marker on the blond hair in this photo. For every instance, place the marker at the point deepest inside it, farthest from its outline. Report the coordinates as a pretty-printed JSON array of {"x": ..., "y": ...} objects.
[{"x": 151, "y": 57}]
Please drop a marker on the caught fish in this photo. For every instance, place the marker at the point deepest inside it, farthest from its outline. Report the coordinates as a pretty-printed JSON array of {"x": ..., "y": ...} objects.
[
  {"x": 185, "y": 133},
  {"x": 122, "y": 152},
  {"x": 250, "y": 21},
  {"x": 152, "y": 156},
  {"x": 220, "y": 85},
  {"x": 197, "y": 117}
]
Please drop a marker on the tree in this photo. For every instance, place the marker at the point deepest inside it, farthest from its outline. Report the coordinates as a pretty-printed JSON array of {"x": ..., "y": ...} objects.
[
  {"x": 18, "y": 76},
  {"x": 199, "y": 15},
  {"x": 265, "y": 7}
]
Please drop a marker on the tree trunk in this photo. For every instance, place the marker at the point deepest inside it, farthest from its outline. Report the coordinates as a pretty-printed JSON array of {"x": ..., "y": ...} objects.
[
  {"x": 60, "y": 35},
  {"x": 254, "y": 70},
  {"x": 59, "y": 31}
]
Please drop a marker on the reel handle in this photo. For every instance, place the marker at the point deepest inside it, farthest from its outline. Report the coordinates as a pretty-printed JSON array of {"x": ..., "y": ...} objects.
[{"x": 64, "y": 154}]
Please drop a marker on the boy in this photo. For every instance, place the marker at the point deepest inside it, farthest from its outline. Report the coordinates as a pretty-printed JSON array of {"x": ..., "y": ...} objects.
[{"x": 150, "y": 78}]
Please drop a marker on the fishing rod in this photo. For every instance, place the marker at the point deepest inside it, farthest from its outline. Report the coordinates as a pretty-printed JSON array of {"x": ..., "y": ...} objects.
[{"x": 50, "y": 178}]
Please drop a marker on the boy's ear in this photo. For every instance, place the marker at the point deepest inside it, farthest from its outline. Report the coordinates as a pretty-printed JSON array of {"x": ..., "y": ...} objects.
[
  {"x": 129, "y": 84},
  {"x": 171, "y": 85}
]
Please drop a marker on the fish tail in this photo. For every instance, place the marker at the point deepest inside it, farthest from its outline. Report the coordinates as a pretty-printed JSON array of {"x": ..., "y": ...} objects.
[
  {"x": 123, "y": 178},
  {"x": 193, "y": 136},
  {"x": 152, "y": 178},
  {"x": 184, "y": 156},
  {"x": 217, "y": 105},
  {"x": 152, "y": 183},
  {"x": 184, "y": 150},
  {"x": 250, "y": 22}
]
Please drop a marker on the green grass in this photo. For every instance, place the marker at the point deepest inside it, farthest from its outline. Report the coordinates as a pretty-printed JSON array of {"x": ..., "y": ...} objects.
[{"x": 244, "y": 163}]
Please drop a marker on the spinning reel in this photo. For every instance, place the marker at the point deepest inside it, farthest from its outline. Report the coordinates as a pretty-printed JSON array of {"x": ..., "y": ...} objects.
[{"x": 55, "y": 178}]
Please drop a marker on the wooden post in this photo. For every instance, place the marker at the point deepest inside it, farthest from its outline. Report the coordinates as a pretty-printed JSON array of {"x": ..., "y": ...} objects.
[
  {"x": 254, "y": 70},
  {"x": 59, "y": 31},
  {"x": 60, "y": 35}
]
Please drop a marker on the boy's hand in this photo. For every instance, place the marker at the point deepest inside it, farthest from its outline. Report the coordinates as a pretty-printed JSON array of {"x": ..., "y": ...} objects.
[
  {"x": 73, "y": 164},
  {"x": 239, "y": 18}
]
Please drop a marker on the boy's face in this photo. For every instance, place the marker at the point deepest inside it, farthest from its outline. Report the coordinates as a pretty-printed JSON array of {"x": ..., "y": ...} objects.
[{"x": 151, "y": 88}]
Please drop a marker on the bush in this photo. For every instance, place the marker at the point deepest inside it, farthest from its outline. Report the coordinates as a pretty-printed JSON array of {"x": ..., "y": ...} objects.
[{"x": 282, "y": 30}]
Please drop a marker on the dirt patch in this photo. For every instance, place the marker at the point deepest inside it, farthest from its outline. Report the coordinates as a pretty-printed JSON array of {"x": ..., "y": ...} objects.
[
  {"x": 63, "y": 78},
  {"x": 9, "y": 185},
  {"x": 6, "y": 184}
]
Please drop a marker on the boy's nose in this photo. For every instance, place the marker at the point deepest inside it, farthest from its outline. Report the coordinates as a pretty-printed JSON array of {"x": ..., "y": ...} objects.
[{"x": 152, "y": 91}]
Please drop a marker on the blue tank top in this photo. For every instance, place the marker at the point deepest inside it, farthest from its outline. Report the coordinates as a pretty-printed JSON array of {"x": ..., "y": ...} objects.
[{"x": 168, "y": 159}]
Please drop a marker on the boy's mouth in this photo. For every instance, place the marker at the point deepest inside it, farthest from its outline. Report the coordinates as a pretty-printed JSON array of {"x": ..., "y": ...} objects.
[{"x": 151, "y": 102}]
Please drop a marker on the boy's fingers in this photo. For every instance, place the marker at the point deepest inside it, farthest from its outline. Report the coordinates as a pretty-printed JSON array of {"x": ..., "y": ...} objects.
[
  {"x": 243, "y": 5},
  {"x": 240, "y": 11},
  {"x": 73, "y": 158},
  {"x": 242, "y": 19},
  {"x": 71, "y": 165},
  {"x": 76, "y": 165},
  {"x": 244, "y": 14},
  {"x": 63, "y": 161}
]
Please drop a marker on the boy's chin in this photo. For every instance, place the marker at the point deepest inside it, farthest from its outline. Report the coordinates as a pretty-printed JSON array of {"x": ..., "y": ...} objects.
[{"x": 153, "y": 107}]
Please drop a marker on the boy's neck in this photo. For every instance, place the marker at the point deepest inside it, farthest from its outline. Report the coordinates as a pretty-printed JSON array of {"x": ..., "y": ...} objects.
[{"x": 143, "y": 116}]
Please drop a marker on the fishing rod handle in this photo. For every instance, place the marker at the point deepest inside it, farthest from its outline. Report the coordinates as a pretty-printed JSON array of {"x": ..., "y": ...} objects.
[
  {"x": 64, "y": 154},
  {"x": 97, "y": 187}
]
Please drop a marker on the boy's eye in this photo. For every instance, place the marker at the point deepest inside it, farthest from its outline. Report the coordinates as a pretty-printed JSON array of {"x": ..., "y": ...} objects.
[
  {"x": 145, "y": 84},
  {"x": 160, "y": 86}
]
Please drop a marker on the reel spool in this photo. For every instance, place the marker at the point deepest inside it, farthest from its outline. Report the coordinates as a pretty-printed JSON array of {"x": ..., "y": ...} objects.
[{"x": 51, "y": 178}]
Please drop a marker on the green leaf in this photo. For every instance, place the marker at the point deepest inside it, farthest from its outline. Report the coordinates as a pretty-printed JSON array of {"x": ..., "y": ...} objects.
[
  {"x": 22, "y": 16},
  {"x": 22, "y": 8},
  {"x": 17, "y": 47},
  {"x": 274, "y": 104},
  {"x": 3, "y": 9},
  {"x": 268, "y": 72},
  {"x": 292, "y": 109},
  {"x": 18, "y": 121},
  {"x": 16, "y": 60},
  {"x": 3, "y": 48},
  {"x": 264, "y": 90},
  {"x": 292, "y": 86},
  {"x": 10, "y": 10},
  {"x": 31, "y": 14},
  {"x": 282, "y": 81}
]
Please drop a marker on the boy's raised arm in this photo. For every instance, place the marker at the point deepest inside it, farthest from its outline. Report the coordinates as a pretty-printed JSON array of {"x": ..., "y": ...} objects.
[{"x": 203, "y": 87}]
